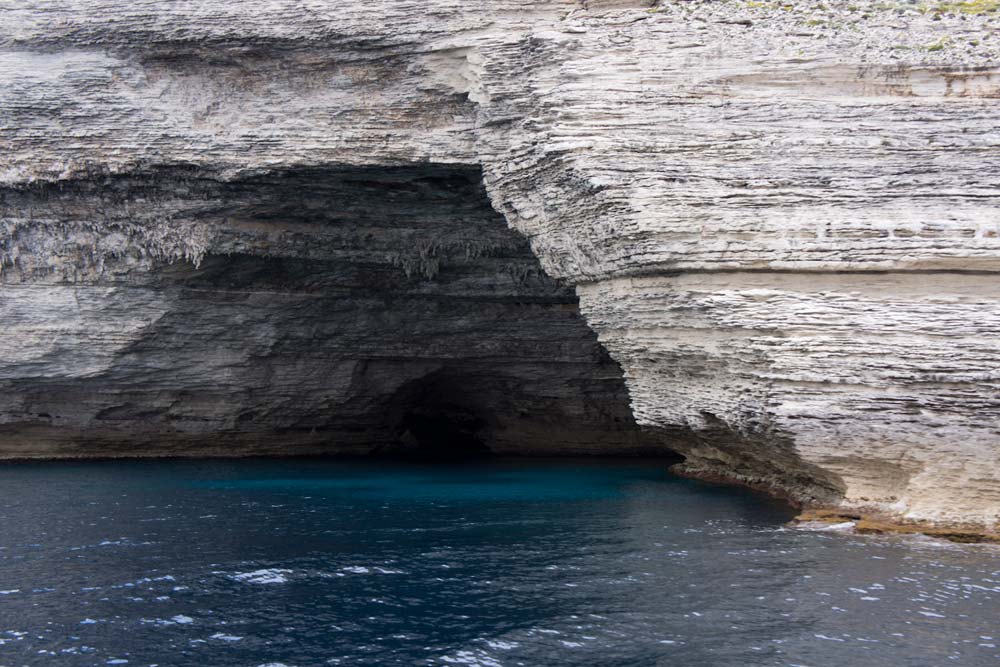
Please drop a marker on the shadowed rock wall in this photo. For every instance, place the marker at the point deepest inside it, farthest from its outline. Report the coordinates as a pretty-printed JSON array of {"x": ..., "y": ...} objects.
[{"x": 332, "y": 310}]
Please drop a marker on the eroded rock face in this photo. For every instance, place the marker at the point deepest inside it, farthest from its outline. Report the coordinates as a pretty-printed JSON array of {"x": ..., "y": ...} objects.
[
  {"x": 332, "y": 310},
  {"x": 781, "y": 222}
]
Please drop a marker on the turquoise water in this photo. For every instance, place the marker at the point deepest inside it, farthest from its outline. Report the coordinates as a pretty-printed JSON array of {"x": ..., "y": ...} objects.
[{"x": 497, "y": 563}]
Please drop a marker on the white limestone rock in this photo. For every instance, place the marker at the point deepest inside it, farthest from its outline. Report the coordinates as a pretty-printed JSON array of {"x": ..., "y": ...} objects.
[{"x": 780, "y": 218}]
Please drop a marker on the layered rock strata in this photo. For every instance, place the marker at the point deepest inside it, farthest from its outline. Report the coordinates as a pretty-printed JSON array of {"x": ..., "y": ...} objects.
[
  {"x": 330, "y": 311},
  {"x": 780, "y": 219}
]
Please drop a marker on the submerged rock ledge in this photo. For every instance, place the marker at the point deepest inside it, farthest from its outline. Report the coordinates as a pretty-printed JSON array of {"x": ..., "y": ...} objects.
[{"x": 271, "y": 227}]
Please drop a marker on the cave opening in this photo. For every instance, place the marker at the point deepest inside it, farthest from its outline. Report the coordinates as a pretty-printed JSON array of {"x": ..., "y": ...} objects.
[
  {"x": 339, "y": 310},
  {"x": 443, "y": 431},
  {"x": 437, "y": 419}
]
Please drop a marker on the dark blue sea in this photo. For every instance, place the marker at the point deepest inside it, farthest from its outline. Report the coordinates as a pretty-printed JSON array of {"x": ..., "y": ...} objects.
[{"x": 597, "y": 563}]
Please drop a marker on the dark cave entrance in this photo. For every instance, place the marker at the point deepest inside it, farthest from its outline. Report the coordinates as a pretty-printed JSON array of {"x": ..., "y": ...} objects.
[
  {"x": 344, "y": 311},
  {"x": 437, "y": 420},
  {"x": 443, "y": 431}
]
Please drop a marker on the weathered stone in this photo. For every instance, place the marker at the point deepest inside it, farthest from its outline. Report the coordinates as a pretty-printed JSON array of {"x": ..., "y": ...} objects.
[
  {"x": 780, "y": 219},
  {"x": 331, "y": 311}
]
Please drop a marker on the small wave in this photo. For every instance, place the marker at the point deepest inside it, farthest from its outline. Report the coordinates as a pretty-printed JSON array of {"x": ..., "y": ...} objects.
[
  {"x": 270, "y": 576},
  {"x": 361, "y": 569},
  {"x": 471, "y": 659},
  {"x": 180, "y": 619},
  {"x": 822, "y": 527}
]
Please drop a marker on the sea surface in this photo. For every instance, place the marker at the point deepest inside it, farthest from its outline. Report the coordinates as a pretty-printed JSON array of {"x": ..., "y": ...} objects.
[{"x": 596, "y": 563}]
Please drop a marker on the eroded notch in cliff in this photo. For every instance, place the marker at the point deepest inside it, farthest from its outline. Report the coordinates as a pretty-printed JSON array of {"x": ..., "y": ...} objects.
[{"x": 309, "y": 310}]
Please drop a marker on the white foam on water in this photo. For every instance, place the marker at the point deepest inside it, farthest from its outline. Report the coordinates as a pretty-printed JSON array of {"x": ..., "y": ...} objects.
[
  {"x": 184, "y": 620},
  {"x": 11, "y": 591},
  {"x": 270, "y": 576},
  {"x": 471, "y": 659},
  {"x": 822, "y": 527},
  {"x": 111, "y": 543},
  {"x": 225, "y": 638}
]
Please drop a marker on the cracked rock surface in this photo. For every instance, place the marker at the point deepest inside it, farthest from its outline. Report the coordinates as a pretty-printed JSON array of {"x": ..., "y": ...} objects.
[{"x": 266, "y": 222}]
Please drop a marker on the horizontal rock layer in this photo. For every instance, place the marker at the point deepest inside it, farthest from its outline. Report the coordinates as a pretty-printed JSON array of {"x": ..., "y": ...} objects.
[{"x": 781, "y": 220}]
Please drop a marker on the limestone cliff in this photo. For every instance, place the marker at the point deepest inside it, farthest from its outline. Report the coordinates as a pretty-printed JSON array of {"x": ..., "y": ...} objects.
[{"x": 264, "y": 222}]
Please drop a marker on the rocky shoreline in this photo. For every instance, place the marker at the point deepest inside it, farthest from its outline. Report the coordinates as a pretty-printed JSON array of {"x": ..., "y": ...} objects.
[{"x": 877, "y": 524}]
